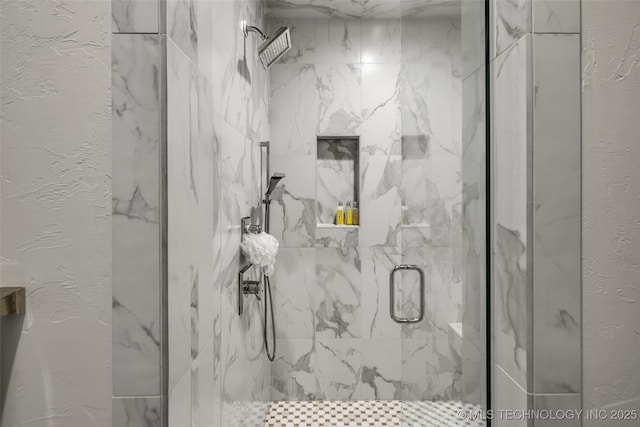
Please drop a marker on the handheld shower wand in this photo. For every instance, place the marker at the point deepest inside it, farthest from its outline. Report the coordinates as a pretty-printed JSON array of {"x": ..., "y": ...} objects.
[{"x": 268, "y": 301}]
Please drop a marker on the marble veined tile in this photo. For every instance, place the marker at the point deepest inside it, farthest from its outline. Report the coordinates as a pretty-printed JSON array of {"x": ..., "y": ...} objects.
[
  {"x": 136, "y": 131},
  {"x": 336, "y": 296},
  {"x": 207, "y": 218},
  {"x": 136, "y": 192},
  {"x": 473, "y": 36},
  {"x": 293, "y": 217},
  {"x": 135, "y": 16},
  {"x": 381, "y": 113},
  {"x": 294, "y": 109},
  {"x": 182, "y": 198},
  {"x": 182, "y": 26},
  {"x": 339, "y": 102},
  {"x": 510, "y": 132},
  {"x": 429, "y": 40},
  {"x": 443, "y": 295},
  {"x": 380, "y": 207},
  {"x": 137, "y": 412},
  {"x": 381, "y": 371},
  {"x": 338, "y": 368},
  {"x": 381, "y": 41},
  {"x": 558, "y": 404},
  {"x": 512, "y": 20},
  {"x": 136, "y": 308},
  {"x": 556, "y": 16},
  {"x": 204, "y": 388},
  {"x": 557, "y": 219},
  {"x": 294, "y": 370},
  {"x": 180, "y": 401},
  {"x": 430, "y": 370},
  {"x": 377, "y": 263},
  {"x": 337, "y": 237},
  {"x": 508, "y": 396},
  {"x": 474, "y": 256},
  {"x": 292, "y": 284},
  {"x": 233, "y": 74},
  {"x": 415, "y": 378},
  {"x": 338, "y": 41},
  {"x": 430, "y": 102}
]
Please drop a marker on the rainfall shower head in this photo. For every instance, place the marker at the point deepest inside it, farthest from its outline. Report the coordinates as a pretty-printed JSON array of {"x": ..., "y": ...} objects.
[
  {"x": 273, "y": 47},
  {"x": 273, "y": 182}
]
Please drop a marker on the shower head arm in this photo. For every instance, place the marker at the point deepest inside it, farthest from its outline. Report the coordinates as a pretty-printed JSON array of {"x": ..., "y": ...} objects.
[{"x": 246, "y": 29}]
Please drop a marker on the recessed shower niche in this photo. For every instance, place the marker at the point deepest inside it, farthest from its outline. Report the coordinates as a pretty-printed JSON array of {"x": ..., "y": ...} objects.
[{"x": 338, "y": 175}]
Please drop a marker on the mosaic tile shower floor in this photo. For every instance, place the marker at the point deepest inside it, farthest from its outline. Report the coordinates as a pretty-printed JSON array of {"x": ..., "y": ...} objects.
[{"x": 369, "y": 413}]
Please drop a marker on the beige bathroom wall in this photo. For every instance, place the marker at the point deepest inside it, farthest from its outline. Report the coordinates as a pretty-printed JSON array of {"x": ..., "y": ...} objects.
[
  {"x": 55, "y": 211},
  {"x": 611, "y": 207}
]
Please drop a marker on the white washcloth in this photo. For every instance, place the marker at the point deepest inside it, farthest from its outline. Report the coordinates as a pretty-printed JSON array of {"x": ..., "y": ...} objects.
[{"x": 261, "y": 249}]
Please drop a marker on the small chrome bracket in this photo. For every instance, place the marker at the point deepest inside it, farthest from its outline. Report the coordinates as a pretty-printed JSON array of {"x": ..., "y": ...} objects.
[
  {"x": 252, "y": 287},
  {"x": 247, "y": 287},
  {"x": 246, "y": 29},
  {"x": 247, "y": 228}
]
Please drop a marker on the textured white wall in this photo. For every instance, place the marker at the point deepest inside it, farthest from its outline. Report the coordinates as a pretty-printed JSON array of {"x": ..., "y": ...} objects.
[
  {"x": 611, "y": 206},
  {"x": 55, "y": 212}
]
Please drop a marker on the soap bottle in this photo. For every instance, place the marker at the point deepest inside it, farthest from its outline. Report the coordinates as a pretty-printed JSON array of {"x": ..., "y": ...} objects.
[
  {"x": 405, "y": 213},
  {"x": 356, "y": 213},
  {"x": 339, "y": 214},
  {"x": 349, "y": 215}
]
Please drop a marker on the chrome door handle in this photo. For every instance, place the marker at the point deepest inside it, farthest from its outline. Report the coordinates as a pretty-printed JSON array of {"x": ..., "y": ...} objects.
[{"x": 392, "y": 294}]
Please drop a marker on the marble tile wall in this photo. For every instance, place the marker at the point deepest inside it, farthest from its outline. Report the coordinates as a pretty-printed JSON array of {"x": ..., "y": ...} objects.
[
  {"x": 536, "y": 224},
  {"x": 139, "y": 320},
  {"x": 210, "y": 120},
  {"x": 511, "y": 303},
  {"x": 217, "y": 105},
  {"x": 556, "y": 221},
  {"x": 136, "y": 16},
  {"x": 398, "y": 88},
  {"x": 474, "y": 196},
  {"x": 136, "y": 215}
]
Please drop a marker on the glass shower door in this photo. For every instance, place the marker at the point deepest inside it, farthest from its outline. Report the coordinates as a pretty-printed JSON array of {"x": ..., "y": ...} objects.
[{"x": 439, "y": 281}]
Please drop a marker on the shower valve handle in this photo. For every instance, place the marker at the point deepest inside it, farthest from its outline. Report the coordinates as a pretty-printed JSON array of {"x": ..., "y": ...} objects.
[{"x": 252, "y": 287}]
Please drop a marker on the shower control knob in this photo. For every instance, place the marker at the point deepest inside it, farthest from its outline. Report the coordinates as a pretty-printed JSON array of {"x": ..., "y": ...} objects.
[{"x": 252, "y": 287}]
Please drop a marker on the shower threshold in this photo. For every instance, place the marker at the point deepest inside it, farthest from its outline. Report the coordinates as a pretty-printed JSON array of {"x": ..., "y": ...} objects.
[{"x": 372, "y": 413}]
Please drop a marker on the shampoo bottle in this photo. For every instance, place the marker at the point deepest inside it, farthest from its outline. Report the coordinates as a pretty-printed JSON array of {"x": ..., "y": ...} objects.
[
  {"x": 339, "y": 214},
  {"x": 349, "y": 215},
  {"x": 356, "y": 213}
]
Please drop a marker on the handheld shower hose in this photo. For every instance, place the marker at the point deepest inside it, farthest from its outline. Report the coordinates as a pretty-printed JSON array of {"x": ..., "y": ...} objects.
[{"x": 268, "y": 299}]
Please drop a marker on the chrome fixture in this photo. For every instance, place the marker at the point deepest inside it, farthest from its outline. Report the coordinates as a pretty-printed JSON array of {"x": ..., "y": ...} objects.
[
  {"x": 246, "y": 227},
  {"x": 273, "y": 183},
  {"x": 392, "y": 294},
  {"x": 273, "y": 46},
  {"x": 247, "y": 287}
]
